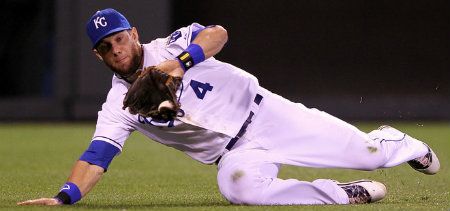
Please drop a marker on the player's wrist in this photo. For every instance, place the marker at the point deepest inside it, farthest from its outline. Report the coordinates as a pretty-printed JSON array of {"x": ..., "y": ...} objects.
[
  {"x": 191, "y": 56},
  {"x": 61, "y": 198},
  {"x": 69, "y": 194}
]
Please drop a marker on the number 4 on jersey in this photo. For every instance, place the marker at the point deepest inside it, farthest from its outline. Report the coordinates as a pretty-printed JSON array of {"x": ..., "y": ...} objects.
[{"x": 200, "y": 88}]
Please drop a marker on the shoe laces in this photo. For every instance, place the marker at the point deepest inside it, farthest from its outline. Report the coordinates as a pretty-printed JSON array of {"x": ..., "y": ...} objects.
[{"x": 357, "y": 194}]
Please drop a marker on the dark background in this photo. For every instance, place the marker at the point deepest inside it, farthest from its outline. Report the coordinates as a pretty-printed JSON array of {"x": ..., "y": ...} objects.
[{"x": 358, "y": 60}]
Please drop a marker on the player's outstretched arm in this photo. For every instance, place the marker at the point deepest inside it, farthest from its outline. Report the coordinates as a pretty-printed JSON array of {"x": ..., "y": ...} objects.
[{"x": 84, "y": 176}]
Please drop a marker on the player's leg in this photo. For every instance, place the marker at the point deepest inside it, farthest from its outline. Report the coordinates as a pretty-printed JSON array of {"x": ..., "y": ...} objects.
[
  {"x": 427, "y": 164},
  {"x": 247, "y": 176},
  {"x": 306, "y": 137}
]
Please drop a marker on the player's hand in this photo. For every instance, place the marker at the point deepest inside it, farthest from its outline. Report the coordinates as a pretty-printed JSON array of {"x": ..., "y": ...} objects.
[
  {"x": 41, "y": 201},
  {"x": 171, "y": 67}
]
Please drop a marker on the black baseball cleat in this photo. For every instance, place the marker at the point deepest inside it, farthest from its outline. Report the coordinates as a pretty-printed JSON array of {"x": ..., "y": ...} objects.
[
  {"x": 427, "y": 164},
  {"x": 363, "y": 191}
]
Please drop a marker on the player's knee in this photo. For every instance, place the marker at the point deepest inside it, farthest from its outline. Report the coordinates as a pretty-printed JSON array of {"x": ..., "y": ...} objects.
[
  {"x": 374, "y": 163},
  {"x": 374, "y": 158},
  {"x": 241, "y": 187},
  {"x": 376, "y": 154}
]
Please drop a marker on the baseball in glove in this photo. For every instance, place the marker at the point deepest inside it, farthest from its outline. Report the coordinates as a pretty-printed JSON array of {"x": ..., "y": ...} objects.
[{"x": 153, "y": 94}]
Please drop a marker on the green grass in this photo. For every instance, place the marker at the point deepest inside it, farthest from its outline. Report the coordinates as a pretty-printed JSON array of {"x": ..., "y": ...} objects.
[{"x": 36, "y": 160}]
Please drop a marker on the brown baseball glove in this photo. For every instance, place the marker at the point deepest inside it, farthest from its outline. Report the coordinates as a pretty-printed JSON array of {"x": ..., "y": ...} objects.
[{"x": 153, "y": 94}]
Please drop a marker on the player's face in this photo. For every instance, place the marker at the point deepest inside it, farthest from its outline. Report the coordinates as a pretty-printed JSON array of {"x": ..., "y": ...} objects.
[{"x": 121, "y": 52}]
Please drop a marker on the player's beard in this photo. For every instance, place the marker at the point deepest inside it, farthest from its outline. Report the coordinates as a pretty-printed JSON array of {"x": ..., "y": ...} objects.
[{"x": 126, "y": 72}]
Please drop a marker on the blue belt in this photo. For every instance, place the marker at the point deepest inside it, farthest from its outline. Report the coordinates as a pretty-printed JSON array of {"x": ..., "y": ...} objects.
[{"x": 257, "y": 100}]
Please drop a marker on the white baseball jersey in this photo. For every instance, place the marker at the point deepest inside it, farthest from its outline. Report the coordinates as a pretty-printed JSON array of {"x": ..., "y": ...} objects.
[{"x": 215, "y": 98}]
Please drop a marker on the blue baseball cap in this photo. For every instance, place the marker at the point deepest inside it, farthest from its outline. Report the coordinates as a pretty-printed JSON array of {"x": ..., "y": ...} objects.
[{"x": 104, "y": 23}]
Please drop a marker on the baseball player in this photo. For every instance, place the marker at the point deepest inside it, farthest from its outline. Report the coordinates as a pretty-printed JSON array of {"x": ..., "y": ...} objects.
[{"x": 226, "y": 118}]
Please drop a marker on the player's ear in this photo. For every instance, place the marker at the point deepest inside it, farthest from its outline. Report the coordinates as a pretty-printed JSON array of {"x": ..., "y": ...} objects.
[
  {"x": 134, "y": 34},
  {"x": 97, "y": 55}
]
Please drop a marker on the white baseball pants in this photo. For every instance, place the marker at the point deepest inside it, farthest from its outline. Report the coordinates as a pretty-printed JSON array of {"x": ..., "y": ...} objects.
[{"x": 283, "y": 132}]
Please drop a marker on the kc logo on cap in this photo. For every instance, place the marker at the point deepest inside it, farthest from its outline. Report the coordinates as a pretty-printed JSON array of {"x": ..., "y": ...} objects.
[
  {"x": 104, "y": 23},
  {"x": 101, "y": 21}
]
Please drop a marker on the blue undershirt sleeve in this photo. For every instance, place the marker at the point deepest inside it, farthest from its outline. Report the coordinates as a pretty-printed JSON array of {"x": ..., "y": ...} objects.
[{"x": 100, "y": 153}]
